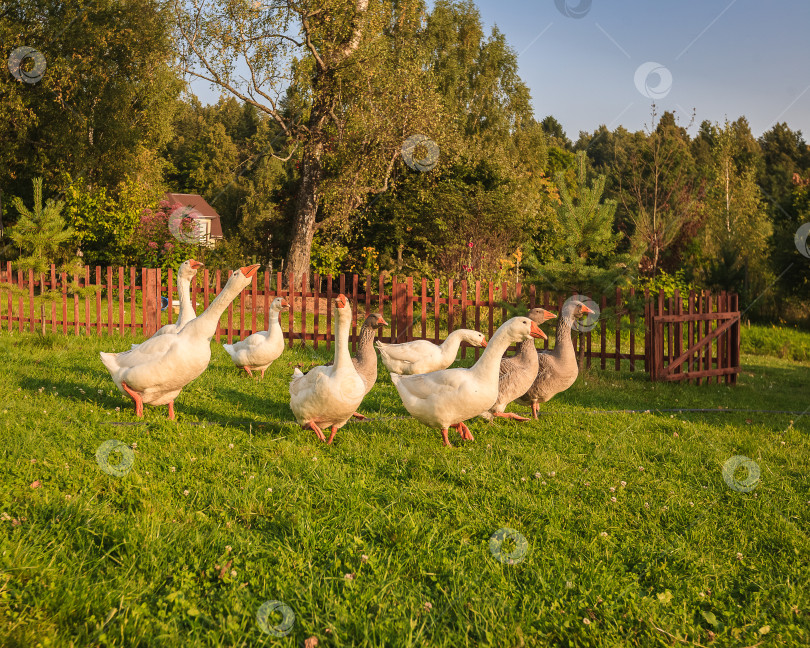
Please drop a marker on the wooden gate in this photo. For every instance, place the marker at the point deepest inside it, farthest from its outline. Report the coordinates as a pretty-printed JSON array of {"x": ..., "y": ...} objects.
[{"x": 702, "y": 342}]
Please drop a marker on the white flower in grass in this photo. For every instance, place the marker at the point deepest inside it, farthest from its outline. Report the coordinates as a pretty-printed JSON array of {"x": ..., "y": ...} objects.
[
  {"x": 612, "y": 499},
  {"x": 641, "y": 468},
  {"x": 646, "y": 505},
  {"x": 230, "y": 446},
  {"x": 33, "y": 461},
  {"x": 612, "y": 489},
  {"x": 542, "y": 483},
  {"x": 364, "y": 558},
  {"x": 348, "y": 576},
  {"x": 537, "y": 475},
  {"x": 586, "y": 621},
  {"x": 134, "y": 445},
  {"x": 624, "y": 483},
  {"x": 587, "y": 483},
  {"x": 463, "y": 472},
  {"x": 117, "y": 409},
  {"x": 41, "y": 389},
  {"x": 233, "y": 573},
  {"x": 739, "y": 556},
  {"x": 228, "y": 548},
  {"x": 675, "y": 434},
  {"x": 604, "y": 534},
  {"x": 428, "y": 606},
  {"x": 172, "y": 469},
  {"x": 185, "y": 492},
  {"x": 523, "y": 479},
  {"x": 193, "y": 459},
  {"x": 100, "y": 391}
]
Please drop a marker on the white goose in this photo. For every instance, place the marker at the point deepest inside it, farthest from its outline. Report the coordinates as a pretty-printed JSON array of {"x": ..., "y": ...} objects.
[
  {"x": 423, "y": 356},
  {"x": 445, "y": 399},
  {"x": 156, "y": 371},
  {"x": 257, "y": 352},
  {"x": 327, "y": 396},
  {"x": 185, "y": 274}
]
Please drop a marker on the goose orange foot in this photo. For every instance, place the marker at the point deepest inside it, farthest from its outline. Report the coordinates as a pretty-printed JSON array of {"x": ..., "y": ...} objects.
[
  {"x": 510, "y": 415},
  {"x": 136, "y": 397},
  {"x": 314, "y": 427},
  {"x": 360, "y": 416},
  {"x": 535, "y": 410},
  {"x": 249, "y": 372},
  {"x": 445, "y": 440},
  {"x": 464, "y": 431},
  {"x": 332, "y": 436},
  {"x": 171, "y": 410}
]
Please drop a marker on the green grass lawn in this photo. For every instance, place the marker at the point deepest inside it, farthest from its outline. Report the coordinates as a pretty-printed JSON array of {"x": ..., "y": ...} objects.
[{"x": 384, "y": 538}]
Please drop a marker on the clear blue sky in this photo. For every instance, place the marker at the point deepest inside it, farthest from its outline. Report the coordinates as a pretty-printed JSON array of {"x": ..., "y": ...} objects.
[{"x": 724, "y": 58}]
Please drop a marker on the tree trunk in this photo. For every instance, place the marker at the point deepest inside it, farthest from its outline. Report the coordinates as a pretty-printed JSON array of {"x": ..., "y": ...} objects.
[{"x": 306, "y": 208}]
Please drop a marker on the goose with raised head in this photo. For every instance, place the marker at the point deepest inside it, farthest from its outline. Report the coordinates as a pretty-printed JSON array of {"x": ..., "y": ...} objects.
[
  {"x": 423, "y": 356},
  {"x": 557, "y": 369},
  {"x": 327, "y": 396},
  {"x": 447, "y": 398},
  {"x": 365, "y": 361},
  {"x": 185, "y": 275},
  {"x": 156, "y": 371},
  {"x": 518, "y": 372},
  {"x": 257, "y": 352}
]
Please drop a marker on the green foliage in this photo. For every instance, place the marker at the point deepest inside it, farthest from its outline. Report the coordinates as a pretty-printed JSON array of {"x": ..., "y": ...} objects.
[
  {"x": 667, "y": 282},
  {"x": 106, "y": 96},
  {"x": 42, "y": 235},
  {"x": 586, "y": 254},
  {"x": 327, "y": 255}
]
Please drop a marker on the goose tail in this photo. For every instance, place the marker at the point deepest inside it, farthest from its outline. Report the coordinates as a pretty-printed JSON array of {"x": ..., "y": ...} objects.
[{"x": 110, "y": 361}]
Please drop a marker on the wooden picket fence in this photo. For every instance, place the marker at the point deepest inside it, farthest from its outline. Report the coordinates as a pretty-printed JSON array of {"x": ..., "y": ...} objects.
[
  {"x": 700, "y": 341},
  {"x": 127, "y": 300}
]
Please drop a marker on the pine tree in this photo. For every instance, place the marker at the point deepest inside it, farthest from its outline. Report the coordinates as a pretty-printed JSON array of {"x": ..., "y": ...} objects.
[
  {"x": 587, "y": 257},
  {"x": 42, "y": 235}
]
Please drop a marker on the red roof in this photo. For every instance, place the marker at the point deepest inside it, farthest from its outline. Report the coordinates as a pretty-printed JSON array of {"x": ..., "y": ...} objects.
[{"x": 198, "y": 203}]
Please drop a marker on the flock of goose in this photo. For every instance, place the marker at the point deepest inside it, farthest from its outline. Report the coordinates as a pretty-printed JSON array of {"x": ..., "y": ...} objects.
[{"x": 326, "y": 397}]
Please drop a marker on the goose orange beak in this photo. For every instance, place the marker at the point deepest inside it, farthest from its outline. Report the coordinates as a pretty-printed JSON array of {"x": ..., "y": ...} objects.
[
  {"x": 537, "y": 333},
  {"x": 585, "y": 309},
  {"x": 250, "y": 271},
  {"x": 285, "y": 303},
  {"x": 483, "y": 342},
  {"x": 341, "y": 301},
  {"x": 547, "y": 315},
  {"x": 382, "y": 322},
  {"x": 196, "y": 265}
]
